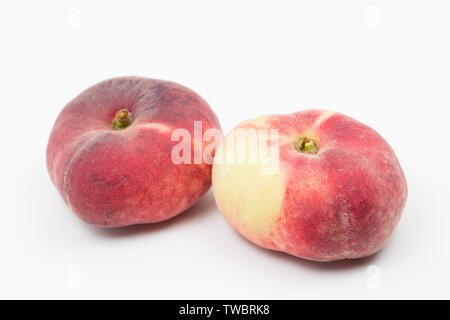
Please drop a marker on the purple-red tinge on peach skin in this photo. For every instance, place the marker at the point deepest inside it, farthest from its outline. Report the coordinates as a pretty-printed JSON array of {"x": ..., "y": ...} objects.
[
  {"x": 337, "y": 192},
  {"x": 109, "y": 153}
]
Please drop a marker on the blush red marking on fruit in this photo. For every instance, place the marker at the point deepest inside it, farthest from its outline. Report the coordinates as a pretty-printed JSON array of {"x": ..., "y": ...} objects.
[
  {"x": 114, "y": 178},
  {"x": 347, "y": 199}
]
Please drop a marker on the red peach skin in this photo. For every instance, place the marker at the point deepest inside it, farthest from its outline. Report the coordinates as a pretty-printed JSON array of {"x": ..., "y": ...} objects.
[
  {"x": 338, "y": 192},
  {"x": 114, "y": 178}
]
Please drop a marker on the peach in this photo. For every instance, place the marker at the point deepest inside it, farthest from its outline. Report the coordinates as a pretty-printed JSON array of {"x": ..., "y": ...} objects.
[
  {"x": 334, "y": 189},
  {"x": 109, "y": 153}
]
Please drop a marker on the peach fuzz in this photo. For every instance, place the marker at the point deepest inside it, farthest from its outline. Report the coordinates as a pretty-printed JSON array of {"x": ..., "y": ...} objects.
[
  {"x": 338, "y": 190},
  {"x": 109, "y": 153}
]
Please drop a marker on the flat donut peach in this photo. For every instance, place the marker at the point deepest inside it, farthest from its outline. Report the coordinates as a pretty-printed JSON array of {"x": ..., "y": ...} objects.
[
  {"x": 332, "y": 190},
  {"x": 109, "y": 153}
]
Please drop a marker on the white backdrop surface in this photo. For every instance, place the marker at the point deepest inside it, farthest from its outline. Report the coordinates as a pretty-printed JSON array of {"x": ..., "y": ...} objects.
[{"x": 385, "y": 63}]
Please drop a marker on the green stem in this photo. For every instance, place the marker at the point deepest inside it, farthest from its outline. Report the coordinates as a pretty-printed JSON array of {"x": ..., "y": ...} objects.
[
  {"x": 306, "y": 145},
  {"x": 122, "y": 119}
]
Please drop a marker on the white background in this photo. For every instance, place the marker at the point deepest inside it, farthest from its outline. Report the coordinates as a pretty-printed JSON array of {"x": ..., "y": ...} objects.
[{"x": 385, "y": 63}]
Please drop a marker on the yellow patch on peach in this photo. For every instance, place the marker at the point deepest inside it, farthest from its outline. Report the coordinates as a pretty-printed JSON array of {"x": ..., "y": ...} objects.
[
  {"x": 249, "y": 198},
  {"x": 259, "y": 122}
]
